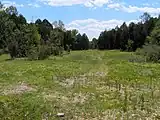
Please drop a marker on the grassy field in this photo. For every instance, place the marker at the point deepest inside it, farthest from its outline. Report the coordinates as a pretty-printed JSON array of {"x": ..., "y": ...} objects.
[{"x": 85, "y": 85}]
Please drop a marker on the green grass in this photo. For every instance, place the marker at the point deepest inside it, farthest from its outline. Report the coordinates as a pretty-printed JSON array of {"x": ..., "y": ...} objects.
[{"x": 89, "y": 85}]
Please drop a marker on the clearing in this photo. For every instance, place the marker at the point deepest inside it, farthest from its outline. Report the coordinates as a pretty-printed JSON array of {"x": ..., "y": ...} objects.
[{"x": 84, "y": 85}]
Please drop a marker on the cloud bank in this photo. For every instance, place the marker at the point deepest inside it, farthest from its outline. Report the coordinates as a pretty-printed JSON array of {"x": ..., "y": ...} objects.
[
  {"x": 11, "y": 3},
  {"x": 93, "y": 27},
  {"x": 87, "y": 3},
  {"x": 132, "y": 9}
]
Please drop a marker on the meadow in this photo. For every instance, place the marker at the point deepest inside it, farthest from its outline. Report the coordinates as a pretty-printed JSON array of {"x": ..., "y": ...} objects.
[{"x": 84, "y": 85}]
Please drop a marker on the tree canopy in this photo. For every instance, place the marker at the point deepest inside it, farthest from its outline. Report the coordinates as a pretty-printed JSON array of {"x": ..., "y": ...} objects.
[
  {"x": 18, "y": 37},
  {"x": 131, "y": 37}
]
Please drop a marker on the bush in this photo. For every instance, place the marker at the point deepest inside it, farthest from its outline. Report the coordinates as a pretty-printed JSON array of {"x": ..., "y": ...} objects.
[
  {"x": 39, "y": 53},
  {"x": 33, "y": 53},
  {"x": 137, "y": 59},
  {"x": 55, "y": 50},
  {"x": 151, "y": 53},
  {"x": 44, "y": 52},
  {"x": 13, "y": 49},
  {"x": 129, "y": 45}
]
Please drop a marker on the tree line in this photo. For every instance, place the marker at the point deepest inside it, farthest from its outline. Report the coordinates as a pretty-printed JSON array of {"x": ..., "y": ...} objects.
[
  {"x": 36, "y": 40},
  {"x": 40, "y": 39},
  {"x": 126, "y": 38}
]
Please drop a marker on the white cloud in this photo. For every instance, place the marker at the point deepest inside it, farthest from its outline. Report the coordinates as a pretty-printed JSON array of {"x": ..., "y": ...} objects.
[
  {"x": 146, "y": 4},
  {"x": 11, "y": 3},
  {"x": 93, "y": 27},
  {"x": 34, "y": 5},
  {"x": 132, "y": 9},
  {"x": 87, "y": 3}
]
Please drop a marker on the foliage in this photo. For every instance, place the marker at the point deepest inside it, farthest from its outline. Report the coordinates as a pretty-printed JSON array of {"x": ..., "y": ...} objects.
[
  {"x": 13, "y": 48},
  {"x": 145, "y": 17},
  {"x": 154, "y": 38},
  {"x": 58, "y": 24},
  {"x": 84, "y": 43},
  {"x": 129, "y": 46},
  {"x": 94, "y": 44},
  {"x": 14, "y": 28},
  {"x": 21, "y": 38},
  {"x": 68, "y": 49},
  {"x": 39, "y": 53},
  {"x": 32, "y": 53},
  {"x": 56, "y": 50},
  {"x": 151, "y": 52},
  {"x": 81, "y": 42},
  {"x": 137, "y": 58},
  {"x": 43, "y": 52},
  {"x": 122, "y": 37}
]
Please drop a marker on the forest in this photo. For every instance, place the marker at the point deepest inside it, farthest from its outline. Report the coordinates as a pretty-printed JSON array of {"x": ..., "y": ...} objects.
[{"x": 40, "y": 39}]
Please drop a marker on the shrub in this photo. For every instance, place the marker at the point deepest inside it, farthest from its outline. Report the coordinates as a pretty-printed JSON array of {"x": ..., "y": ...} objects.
[
  {"x": 39, "y": 53},
  {"x": 137, "y": 59},
  {"x": 44, "y": 52},
  {"x": 33, "y": 53},
  {"x": 151, "y": 52},
  {"x": 13, "y": 49},
  {"x": 57, "y": 50},
  {"x": 129, "y": 45}
]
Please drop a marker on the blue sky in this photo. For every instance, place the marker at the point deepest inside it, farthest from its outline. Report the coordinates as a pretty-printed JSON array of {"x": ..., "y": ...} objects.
[{"x": 88, "y": 16}]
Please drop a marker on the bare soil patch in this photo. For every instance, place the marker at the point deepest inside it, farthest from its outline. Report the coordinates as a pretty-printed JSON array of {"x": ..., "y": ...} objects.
[{"x": 18, "y": 89}]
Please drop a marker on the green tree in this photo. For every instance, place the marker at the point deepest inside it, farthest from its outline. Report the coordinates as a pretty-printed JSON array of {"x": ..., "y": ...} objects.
[
  {"x": 11, "y": 10},
  {"x": 155, "y": 34},
  {"x": 58, "y": 24},
  {"x": 68, "y": 39},
  {"x": 129, "y": 45},
  {"x": 94, "y": 44},
  {"x": 124, "y": 36},
  {"x": 84, "y": 42},
  {"x": 76, "y": 43},
  {"x": 145, "y": 17},
  {"x": 44, "y": 28},
  {"x": 1, "y": 6},
  {"x": 57, "y": 37},
  {"x": 3, "y": 20}
]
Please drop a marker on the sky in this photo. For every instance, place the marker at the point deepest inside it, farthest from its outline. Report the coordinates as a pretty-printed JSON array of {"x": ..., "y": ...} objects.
[{"x": 87, "y": 16}]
